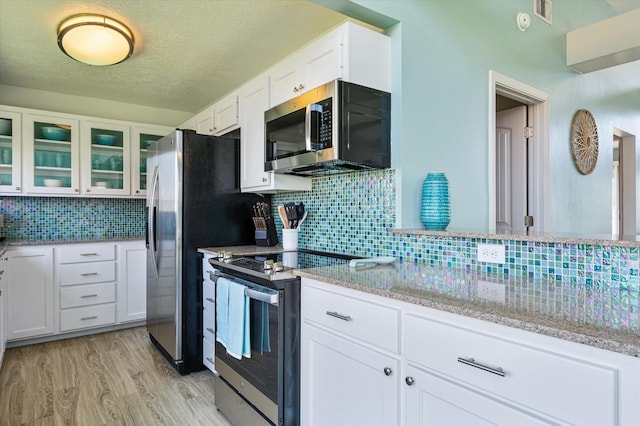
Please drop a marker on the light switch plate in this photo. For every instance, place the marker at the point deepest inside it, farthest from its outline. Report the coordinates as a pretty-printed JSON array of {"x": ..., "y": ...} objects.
[{"x": 493, "y": 253}]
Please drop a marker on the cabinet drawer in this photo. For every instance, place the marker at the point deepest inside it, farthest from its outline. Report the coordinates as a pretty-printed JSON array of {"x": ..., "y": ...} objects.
[
  {"x": 88, "y": 316},
  {"x": 89, "y": 294},
  {"x": 208, "y": 296},
  {"x": 369, "y": 322},
  {"x": 85, "y": 273},
  {"x": 86, "y": 253},
  {"x": 207, "y": 355},
  {"x": 209, "y": 326},
  {"x": 544, "y": 381}
]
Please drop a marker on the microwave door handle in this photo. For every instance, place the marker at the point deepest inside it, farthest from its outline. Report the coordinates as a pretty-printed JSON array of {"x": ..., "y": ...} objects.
[{"x": 312, "y": 125}]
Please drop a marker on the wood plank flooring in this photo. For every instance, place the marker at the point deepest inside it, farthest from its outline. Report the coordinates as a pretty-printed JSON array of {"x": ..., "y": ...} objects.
[{"x": 116, "y": 378}]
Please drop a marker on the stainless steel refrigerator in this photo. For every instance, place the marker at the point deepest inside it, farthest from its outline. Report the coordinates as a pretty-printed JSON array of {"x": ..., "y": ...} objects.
[{"x": 193, "y": 201}]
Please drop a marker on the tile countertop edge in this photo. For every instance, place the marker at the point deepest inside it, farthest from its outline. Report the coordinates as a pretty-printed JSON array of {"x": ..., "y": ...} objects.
[
  {"x": 628, "y": 241},
  {"x": 601, "y": 338}
]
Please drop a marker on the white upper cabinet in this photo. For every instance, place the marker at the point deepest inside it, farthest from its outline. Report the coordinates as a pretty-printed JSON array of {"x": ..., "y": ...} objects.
[
  {"x": 226, "y": 115},
  {"x": 141, "y": 138},
  {"x": 219, "y": 118},
  {"x": 105, "y": 159},
  {"x": 204, "y": 122},
  {"x": 350, "y": 52},
  {"x": 51, "y": 146},
  {"x": 10, "y": 152},
  {"x": 254, "y": 98}
]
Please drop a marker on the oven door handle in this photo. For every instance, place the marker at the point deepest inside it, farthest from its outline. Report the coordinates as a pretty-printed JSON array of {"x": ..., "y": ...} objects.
[{"x": 270, "y": 298}]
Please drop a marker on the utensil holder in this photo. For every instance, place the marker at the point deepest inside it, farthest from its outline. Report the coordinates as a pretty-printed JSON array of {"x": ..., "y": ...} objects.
[
  {"x": 267, "y": 237},
  {"x": 290, "y": 239}
]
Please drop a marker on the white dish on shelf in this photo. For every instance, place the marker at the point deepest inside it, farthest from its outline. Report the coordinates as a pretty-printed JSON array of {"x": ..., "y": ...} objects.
[
  {"x": 101, "y": 184},
  {"x": 53, "y": 183}
]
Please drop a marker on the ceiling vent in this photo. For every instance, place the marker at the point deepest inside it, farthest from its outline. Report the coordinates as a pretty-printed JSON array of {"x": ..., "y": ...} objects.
[{"x": 542, "y": 9}]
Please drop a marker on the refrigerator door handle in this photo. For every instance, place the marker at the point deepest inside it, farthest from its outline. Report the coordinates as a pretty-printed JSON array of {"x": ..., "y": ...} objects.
[{"x": 151, "y": 220}]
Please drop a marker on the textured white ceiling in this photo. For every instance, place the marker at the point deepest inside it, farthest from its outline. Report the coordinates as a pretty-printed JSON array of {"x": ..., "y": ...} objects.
[{"x": 187, "y": 52}]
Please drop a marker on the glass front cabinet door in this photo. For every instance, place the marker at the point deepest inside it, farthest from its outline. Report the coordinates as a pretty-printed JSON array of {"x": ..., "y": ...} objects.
[
  {"x": 51, "y": 149},
  {"x": 10, "y": 158},
  {"x": 142, "y": 139},
  {"x": 105, "y": 159}
]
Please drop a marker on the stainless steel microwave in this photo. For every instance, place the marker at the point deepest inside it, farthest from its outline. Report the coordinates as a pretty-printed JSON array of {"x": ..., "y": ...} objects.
[{"x": 335, "y": 128}]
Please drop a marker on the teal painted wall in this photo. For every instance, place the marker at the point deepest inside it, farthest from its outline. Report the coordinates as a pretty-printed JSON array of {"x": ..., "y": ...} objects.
[{"x": 447, "y": 50}]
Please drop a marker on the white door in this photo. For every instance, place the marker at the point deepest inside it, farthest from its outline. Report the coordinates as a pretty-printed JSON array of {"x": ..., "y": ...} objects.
[{"x": 511, "y": 170}]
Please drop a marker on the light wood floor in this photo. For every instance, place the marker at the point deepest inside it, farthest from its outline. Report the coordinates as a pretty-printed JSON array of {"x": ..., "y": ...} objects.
[{"x": 116, "y": 378}]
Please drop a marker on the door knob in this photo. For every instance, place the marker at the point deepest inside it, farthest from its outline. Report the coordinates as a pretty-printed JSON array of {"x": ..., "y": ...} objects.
[
  {"x": 409, "y": 380},
  {"x": 387, "y": 371}
]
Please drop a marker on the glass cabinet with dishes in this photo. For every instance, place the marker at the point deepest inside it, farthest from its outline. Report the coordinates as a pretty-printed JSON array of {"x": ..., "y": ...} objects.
[
  {"x": 10, "y": 152},
  {"x": 51, "y": 150},
  {"x": 106, "y": 158},
  {"x": 142, "y": 138}
]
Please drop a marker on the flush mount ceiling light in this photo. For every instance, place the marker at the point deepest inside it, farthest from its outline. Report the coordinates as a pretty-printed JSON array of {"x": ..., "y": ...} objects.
[{"x": 95, "y": 39}]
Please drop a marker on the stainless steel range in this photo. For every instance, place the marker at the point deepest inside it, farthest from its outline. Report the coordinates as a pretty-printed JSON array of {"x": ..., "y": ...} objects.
[{"x": 263, "y": 388}]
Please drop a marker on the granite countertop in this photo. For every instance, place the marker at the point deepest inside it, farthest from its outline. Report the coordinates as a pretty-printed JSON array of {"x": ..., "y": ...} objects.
[
  {"x": 86, "y": 241},
  {"x": 604, "y": 317},
  {"x": 599, "y": 317}
]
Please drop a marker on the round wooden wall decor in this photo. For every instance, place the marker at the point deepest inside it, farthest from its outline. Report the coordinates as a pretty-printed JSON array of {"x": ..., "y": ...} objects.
[{"x": 584, "y": 141}]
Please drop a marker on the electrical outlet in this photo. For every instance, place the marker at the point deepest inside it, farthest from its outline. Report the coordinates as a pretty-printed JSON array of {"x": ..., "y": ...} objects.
[
  {"x": 491, "y": 292},
  {"x": 493, "y": 253}
]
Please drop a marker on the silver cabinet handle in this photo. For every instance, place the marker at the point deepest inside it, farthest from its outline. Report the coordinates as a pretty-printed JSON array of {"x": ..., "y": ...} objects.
[
  {"x": 88, "y": 254},
  {"x": 210, "y": 330},
  {"x": 387, "y": 371},
  {"x": 339, "y": 316},
  {"x": 208, "y": 299},
  {"x": 210, "y": 360},
  {"x": 87, "y": 190},
  {"x": 472, "y": 362},
  {"x": 88, "y": 318},
  {"x": 409, "y": 380},
  {"x": 86, "y": 296},
  {"x": 17, "y": 188},
  {"x": 88, "y": 274},
  {"x": 76, "y": 190}
]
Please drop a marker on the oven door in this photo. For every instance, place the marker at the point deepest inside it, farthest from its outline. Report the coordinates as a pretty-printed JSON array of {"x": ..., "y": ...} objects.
[{"x": 258, "y": 378}]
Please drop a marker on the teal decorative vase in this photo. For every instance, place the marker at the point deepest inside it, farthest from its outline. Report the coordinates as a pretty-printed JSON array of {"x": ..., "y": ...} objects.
[{"x": 436, "y": 204}]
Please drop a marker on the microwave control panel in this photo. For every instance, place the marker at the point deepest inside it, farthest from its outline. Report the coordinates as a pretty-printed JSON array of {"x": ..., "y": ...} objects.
[{"x": 325, "y": 124}]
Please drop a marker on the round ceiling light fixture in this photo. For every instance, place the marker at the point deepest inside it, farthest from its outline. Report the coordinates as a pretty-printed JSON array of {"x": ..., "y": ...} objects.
[{"x": 95, "y": 39}]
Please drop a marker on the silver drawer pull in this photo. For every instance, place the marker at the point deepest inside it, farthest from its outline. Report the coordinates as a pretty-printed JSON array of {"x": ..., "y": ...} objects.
[
  {"x": 210, "y": 330},
  {"x": 210, "y": 360},
  {"x": 208, "y": 299},
  {"x": 88, "y": 254},
  {"x": 88, "y": 274},
  {"x": 88, "y": 295},
  {"x": 339, "y": 316},
  {"x": 472, "y": 362},
  {"x": 88, "y": 318}
]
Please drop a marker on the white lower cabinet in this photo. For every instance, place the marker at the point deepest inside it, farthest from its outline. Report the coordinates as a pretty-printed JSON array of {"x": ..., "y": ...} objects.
[
  {"x": 208, "y": 315},
  {"x": 57, "y": 289},
  {"x": 349, "y": 364},
  {"x": 346, "y": 383},
  {"x": 451, "y": 369},
  {"x": 132, "y": 281},
  {"x": 435, "y": 400},
  {"x": 30, "y": 294}
]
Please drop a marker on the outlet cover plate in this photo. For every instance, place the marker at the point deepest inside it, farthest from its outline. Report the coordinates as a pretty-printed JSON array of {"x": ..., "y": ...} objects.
[
  {"x": 493, "y": 253},
  {"x": 491, "y": 292}
]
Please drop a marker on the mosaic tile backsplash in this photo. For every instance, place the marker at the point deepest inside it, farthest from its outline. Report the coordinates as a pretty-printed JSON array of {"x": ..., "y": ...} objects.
[
  {"x": 353, "y": 213},
  {"x": 42, "y": 219}
]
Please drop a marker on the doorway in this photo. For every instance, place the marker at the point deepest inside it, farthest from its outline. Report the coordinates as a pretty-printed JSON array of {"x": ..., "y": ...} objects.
[
  {"x": 512, "y": 180},
  {"x": 528, "y": 185},
  {"x": 623, "y": 200}
]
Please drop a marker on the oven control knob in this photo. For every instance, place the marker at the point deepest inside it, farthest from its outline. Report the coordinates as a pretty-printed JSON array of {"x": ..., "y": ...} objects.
[
  {"x": 268, "y": 265},
  {"x": 278, "y": 266},
  {"x": 227, "y": 255}
]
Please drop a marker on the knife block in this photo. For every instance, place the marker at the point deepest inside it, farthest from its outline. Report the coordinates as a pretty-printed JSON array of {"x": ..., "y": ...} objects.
[{"x": 267, "y": 237}]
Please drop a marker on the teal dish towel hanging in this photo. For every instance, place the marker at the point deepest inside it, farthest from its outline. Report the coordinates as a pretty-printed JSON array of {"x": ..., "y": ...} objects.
[{"x": 436, "y": 204}]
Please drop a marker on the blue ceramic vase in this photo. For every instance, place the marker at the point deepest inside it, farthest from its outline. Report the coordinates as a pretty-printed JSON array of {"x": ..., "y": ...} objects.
[{"x": 436, "y": 204}]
